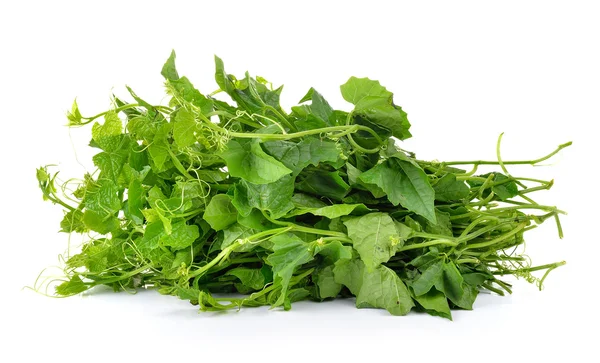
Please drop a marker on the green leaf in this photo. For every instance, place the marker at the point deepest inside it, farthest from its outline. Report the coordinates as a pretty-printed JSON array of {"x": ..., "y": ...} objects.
[
  {"x": 100, "y": 222},
  {"x": 74, "y": 116},
  {"x": 275, "y": 198},
  {"x": 309, "y": 151},
  {"x": 184, "y": 129},
  {"x": 319, "y": 107},
  {"x": 106, "y": 136},
  {"x": 168, "y": 70},
  {"x": 332, "y": 211},
  {"x": 324, "y": 183},
  {"x": 451, "y": 282},
  {"x": 237, "y": 231},
  {"x": 333, "y": 252},
  {"x": 183, "y": 89},
  {"x": 247, "y": 160},
  {"x": 301, "y": 200},
  {"x": 350, "y": 274},
  {"x": 468, "y": 297},
  {"x": 103, "y": 198},
  {"x": 111, "y": 162},
  {"x": 220, "y": 212},
  {"x": 435, "y": 303},
  {"x": 374, "y": 107},
  {"x": 252, "y": 278},
  {"x": 72, "y": 287},
  {"x": 289, "y": 252},
  {"x": 151, "y": 239},
  {"x": 428, "y": 278},
  {"x": 382, "y": 288},
  {"x": 404, "y": 184},
  {"x": 73, "y": 222},
  {"x": 182, "y": 236},
  {"x": 356, "y": 90},
  {"x": 374, "y": 236},
  {"x": 449, "y": 189},
  {"x": 256, "y": 221},
  {"x": 326, "y": 282},
  {"x": 159, "y": 152},
  {"x": 135, "y": 201}
]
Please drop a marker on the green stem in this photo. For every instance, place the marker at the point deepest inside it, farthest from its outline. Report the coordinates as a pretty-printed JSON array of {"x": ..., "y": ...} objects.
[
  {"x": 296, "y": 135},
  {"x": 497, "y": 239},
  {"x": 530, "y": 269},
  {"x": 125, "y": 276},
  {"x": 298, "y": 228},
  {"x": 281, "y": 117},
  {"x": 116, "y": 110},
  {"x": 427, "y": 244},
  {"x": 519, "y": 162},
  {"x": 178, "y": 165}
]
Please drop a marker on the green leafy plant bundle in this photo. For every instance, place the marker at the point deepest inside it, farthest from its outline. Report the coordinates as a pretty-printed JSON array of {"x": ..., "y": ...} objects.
[{"x": 242, "y": 204}]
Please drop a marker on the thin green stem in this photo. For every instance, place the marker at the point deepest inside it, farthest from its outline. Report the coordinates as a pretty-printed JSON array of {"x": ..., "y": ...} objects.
[
  {"x": 427, "y": 244},
  {"x": 116, "y": 110},
  {"x": 497, "y": 239},
  {"x": 529, "y": 269},
  {"x": 178, "y": 165},
  {"x": 519, "y": 162}
]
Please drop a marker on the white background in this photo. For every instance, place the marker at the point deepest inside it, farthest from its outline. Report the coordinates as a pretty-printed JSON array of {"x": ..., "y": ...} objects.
[{"x": 464, "y": 72}]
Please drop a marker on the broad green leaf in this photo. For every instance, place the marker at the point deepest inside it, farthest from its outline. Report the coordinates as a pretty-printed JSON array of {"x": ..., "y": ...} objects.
[
  {"x": 182, "y": 236},
  {"x": 73, "y": 222},
  {"x": 103, "y": 198},
  {"x": 72, "y": 287},
  {"x": 289, "y": 253},
  {"x": 319, "y": 107},
  {"x": 169, "y": 71},
  {"x": 333, "y": 251},
  {"x": 435, "y": 303},
  {"x": 255, "y": 220},
  {"x": 252, "y": 278},
  {"x": 275, "y": 198},
  {"x": 374, "y": 108},
  {"x": 297, "y": 156},
  {"x": 442, "y": 226},
  {"x": 374, "y": 236},
  {"x": 100, "y": 222},
  {"x": 326, "y": 282},
  {"x": 106, "y": 136},
  {"x": 451, "y": 282},
  {"x": 404, "y": 184},
  {"x": 428, "y": 278},
  {"x": 382, "y": 288},
  {"x": 184, "y": 128},
  {"x": 350, "y": 274},
  {"x": 185, "y": 90},
  {"x": 247, "y": 160},
  {"x": 111, "y": 163},
  {"x": 301, "y": 200},
  {"x": 237, "y": 231},
  {"x": 135, "y": 201},
  {"x": 467, "y": 298},
  {"x": 151, "y": 239},
  {"x": 220, "y": 212},
  {"x": 448, "y": 189},
  {"x": 384, "y": 117},
  {"x": 159, "y": 152},
  {"x": 324, "y": 183},
  {"x": 356, "y": 90}
]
